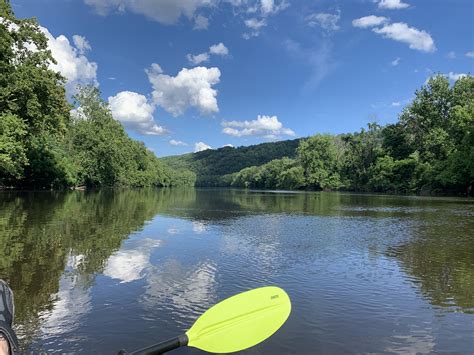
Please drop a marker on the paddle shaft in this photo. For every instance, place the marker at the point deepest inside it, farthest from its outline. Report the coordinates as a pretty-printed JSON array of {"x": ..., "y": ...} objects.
[{"x": 164, "y": 346}]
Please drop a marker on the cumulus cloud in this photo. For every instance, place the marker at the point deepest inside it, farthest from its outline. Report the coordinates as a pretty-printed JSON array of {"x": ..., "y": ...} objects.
[
  {"x": 177, "y": 143},
  {"x": 263, "y": 126},
  {"x": 71, "y": 62},
  {"x": 395, "y": 62},
  {"x": 455, "y": 76},
  {"x": 81, "y": 43},
  {"x": 401, "y": 32},
  {"x": 200, "y": 146},
  {"x": 166, "y": 12},
  {"x": 217, "y": 49},
  {"x": 328, "y": 22},
  {"x": 470, "y": 54},
  {"x": 189, "y": 88},
  {"x": 392, "y": 4},
  {"x": 369, "y": 21},
  {"x": 198, "y": 58},
  {"x": 134, "y": 111}
]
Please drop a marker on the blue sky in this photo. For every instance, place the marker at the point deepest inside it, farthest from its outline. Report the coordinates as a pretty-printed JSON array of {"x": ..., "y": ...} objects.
[{"x": 182, "y": 75}]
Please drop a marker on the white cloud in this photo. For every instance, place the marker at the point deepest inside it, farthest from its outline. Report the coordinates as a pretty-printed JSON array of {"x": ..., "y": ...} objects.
[
  {"x": 395, "y": 62},
  {"x": 134, "y": 111},
  {"x": 392, "y": 4},
  {"x": 164, "y": 11},
  {"x": 201, "y": 23},
  {"x": 369, "y": 21},
  {"x": 396, "y": 103},
  {"x": 455, "y": 76},
  {"x": 228, "y": 145},
  {"x": 71, "y": 62},
  {"x": 326, "y": 21},
  {"x": 401, "y": 32},
  {"x": 177, "y": 143},
  {"x": 263, "y": 126},
  {"x": 81, "y": 43},
  {"x": 255, "y": 24},
  {"x": 200, "y": 146},
  {"x": 216, "y": 49},
  {"x": 198, "y": 58},
  {"x": 219, "y": 49},
  {"x": 189, "y": 88},
  {"x": 268, "y": 7},
  {"x": 470, "y": 54},
  {"x": 451, "y": 55}
]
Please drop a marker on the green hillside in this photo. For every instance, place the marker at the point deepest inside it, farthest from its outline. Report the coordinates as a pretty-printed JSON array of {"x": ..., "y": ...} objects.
[{"x": 213, "y": 167}]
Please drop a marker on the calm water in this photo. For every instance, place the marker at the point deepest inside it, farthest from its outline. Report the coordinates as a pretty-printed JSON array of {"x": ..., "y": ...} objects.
[{"x": 95, "y": 272}]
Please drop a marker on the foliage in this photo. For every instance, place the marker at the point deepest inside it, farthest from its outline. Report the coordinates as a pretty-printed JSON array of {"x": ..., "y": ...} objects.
[
  {"x": 429, "y": 150},
  {"x": 319, "y": 158},
  {"x": 213, "y": 167},
  {"x": 282, "y": 173},
  {"x": 41, "y": 145},
  {"x": 12, "y": 149}
]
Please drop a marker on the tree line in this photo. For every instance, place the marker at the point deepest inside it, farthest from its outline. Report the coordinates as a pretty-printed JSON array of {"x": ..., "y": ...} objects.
[
  {"x": 429, "y": 150},
  {"x": 46, "y": 144}
]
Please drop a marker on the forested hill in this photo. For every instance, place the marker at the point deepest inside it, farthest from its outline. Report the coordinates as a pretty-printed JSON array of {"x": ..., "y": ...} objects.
[
  {"x": 213, "y": 167},
  {"x": 429, "y": 150}
]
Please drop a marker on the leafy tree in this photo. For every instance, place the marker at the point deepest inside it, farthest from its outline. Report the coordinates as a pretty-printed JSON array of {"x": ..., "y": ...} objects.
[
  {"x": 103, "y": 153},
  {"x": 12, "y": 148},
  {"x": 361, "y": 151},
  {"x": 318, "y": 155},
  {"x": 32, "y": 93}
]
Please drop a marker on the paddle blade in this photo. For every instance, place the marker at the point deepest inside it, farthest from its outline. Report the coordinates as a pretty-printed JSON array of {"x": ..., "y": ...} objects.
[{"x": 241, "y": 321}]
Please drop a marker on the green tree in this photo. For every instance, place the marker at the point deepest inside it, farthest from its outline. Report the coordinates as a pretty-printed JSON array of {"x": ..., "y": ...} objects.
[
  {"x": 12, "y": 149},
  {"x": 319, "y": 158},
  {"x": 34, "y": 94},
  {"x": 361, "y": 151}
]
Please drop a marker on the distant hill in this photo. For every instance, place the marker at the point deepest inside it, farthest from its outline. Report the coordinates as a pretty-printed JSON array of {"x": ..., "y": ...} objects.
[{"x": 214, "y": 166}]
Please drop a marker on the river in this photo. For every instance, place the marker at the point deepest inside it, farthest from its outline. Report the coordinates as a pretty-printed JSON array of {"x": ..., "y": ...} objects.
[{"x": 98, "y": 271}]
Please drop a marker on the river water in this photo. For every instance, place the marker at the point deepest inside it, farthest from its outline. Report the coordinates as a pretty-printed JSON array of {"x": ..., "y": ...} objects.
[{"x": 98, "y": 271}]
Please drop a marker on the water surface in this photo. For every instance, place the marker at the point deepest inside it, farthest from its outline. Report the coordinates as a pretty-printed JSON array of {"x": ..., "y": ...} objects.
[{"x": 95, "y": 272}]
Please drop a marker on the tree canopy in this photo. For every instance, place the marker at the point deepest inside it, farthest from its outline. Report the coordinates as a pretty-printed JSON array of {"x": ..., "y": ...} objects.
[{"x": 41, "y": 144}]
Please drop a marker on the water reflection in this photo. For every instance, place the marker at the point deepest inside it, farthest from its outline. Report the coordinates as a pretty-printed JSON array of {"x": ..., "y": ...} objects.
[
  {"x": 80, "y": 262},
  {"x": 129, "y": 263}
]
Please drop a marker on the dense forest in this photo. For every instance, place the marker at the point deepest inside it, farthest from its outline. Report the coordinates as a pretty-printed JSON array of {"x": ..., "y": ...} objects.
[
  {"x": 215, "y": 167},
  {"x": 429, "y": 150},
  {"x": 44, "y": 143}
]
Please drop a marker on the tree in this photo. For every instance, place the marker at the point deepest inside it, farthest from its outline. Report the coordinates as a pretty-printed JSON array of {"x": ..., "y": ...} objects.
[
  {"x": 35, "y": 95},
  {"x": 318, "y": 156},
  {"x": 12, "y": 148}
]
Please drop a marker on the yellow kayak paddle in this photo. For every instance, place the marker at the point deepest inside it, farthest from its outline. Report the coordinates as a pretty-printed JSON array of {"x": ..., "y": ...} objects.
[{"x": 237, "y": 323}]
